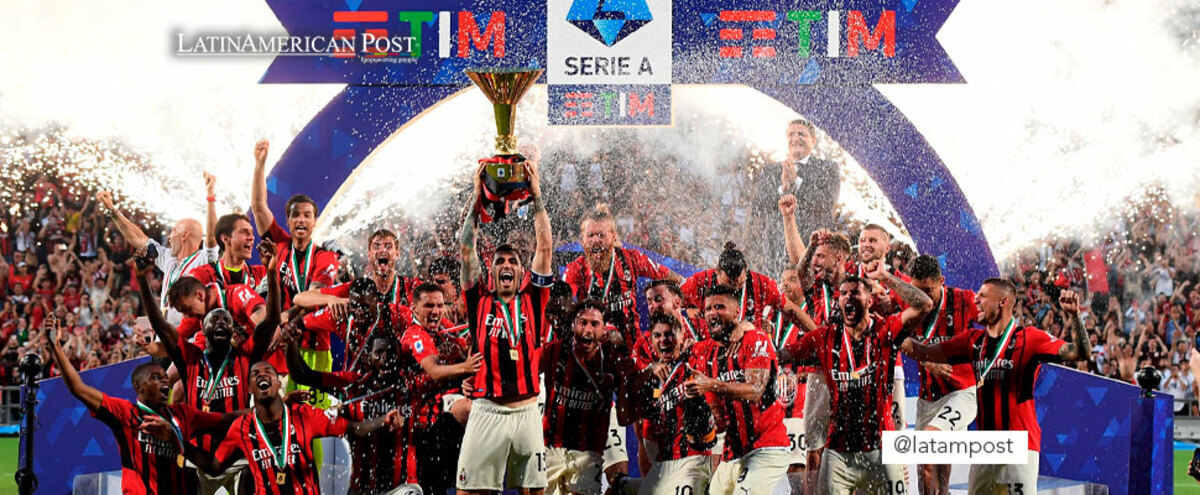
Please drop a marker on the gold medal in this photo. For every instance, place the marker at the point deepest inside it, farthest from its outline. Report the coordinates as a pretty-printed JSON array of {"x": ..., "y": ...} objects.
[
  {"x": 657, "y": 393},
  {"x": 514, "y": 355},
  {"x": 280, "y": 478},
  {"x": 205, "y": 408},
  {"x": 854, "y": 375},
  {"x": 179, "y": 460}
]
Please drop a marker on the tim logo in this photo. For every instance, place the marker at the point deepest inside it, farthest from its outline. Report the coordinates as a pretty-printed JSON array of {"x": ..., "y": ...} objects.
[{"x": 609, "y": 21}]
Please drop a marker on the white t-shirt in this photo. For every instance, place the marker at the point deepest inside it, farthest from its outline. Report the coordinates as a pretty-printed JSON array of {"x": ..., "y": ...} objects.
[{"x": 173, "y": 269}]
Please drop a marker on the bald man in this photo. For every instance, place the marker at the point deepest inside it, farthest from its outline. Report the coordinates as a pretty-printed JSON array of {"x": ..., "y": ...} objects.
[{"x": 187, "y": 247}]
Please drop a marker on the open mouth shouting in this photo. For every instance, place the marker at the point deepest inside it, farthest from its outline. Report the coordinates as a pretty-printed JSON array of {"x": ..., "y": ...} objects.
[{"x": 263, "y": 384}]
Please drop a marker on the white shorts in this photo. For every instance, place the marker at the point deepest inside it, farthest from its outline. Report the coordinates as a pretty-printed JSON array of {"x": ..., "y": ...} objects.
[
  {"x": 816, "y": 412},
  {"x": 405, "y": 489},
  {"x": 572, "y": 471},
  {"x": 1017, "y": 478},
  {"x": 687, "y": 476},
  {"x": 953, "y": 412},
  {"x": 844, "y": 474},
  {"x": 755, "y": 473},
  {"x": 614, "y": 449},
  {"x": 898, "y": 399},
  {"x": 795, "y": 430},
  {"x": 501, "y": 439}
]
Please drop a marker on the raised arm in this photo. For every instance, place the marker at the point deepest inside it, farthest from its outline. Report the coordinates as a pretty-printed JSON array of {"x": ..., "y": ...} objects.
[
  {"x": 804, "y": 270},
  {"x": 263, "y": 218},
  {"x": 364, "y": 428},
  {"x": 543, "y": 254},
  {"x": 1078, "y": 349},
  {"x": 471, "y": 271},
  {"x": 167, "y": 334},
  {"x": 265, "y": 330},
  {"x": 89, "y": 396},
  {"x": 919, "y": 304},
  {"x": 791, "y": 233},
  {"x": 450, "y": 371},
  {"x": 137, "y": 239},
  {"x": 210, "y": 226}
]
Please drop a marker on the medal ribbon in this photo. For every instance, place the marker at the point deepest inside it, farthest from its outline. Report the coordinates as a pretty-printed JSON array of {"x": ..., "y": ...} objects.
[
  {"x": 170, "y": 419},
  {"x": 612, "y": 263},
  {"x": 362, "y": 345},
  {"x": 214, "y": 380},
  {"x": 301, "y": 286},
  {"x": 854, "y": 368},
  {"x": 1008, "y": 331},
  {"x": 936, "y": 316},
  {"x": 178, "y": 269},
  {"x": 687, "y": 325},
  {"x": 674, "y": 371},
  {"x": 281, "y": 461},
  {"x": 782, "y": 334},
  {"x": 512, "y": 321},
  {"x": 745, "y": 292},
  {"x": 825, "y": 292},
  {"x": 587, "y": 374}
]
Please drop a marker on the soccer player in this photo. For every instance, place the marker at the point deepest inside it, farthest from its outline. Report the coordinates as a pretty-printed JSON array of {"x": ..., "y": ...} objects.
[
  {"x": 445, "y": 273},
  {"x": 736, "y": 370},
  {"x": 609, "y": 272},
  {"x": 855, "y": 357},
  {"x": 195, "y": 300},
  {"x": 150, "y": 463},
  {"x": 214, "y": 378},
  {"x": 787, "y": 327},
  {"x": 581, "y": 375},
  {"x": 947, "y": 401},
  {"x": 757, "y": 293},
  {"x": 429, "y": 346},
  {"x": 383, "y": 251},
  {"x": 657, "y": 395},
  {"x": 277, "y": 438},
  {"x": 185, "y": 248},
  {"x": 665, "y": 297},
  {"x": 504, "y": 441},
  {"x": 365, "y": 317},
  {"x": 1006, "y": 358},
  {"x": 382, "y": 461},
  {"x": 235, "y": 237}
]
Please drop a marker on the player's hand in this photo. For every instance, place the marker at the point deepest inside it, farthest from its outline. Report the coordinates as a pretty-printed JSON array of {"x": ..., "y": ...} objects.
[
  {"x": 659, "y": 370},
  {"x": 875, "y": 270},
  {"x": 156, "y": 427},
  {"x": 394, "y": 420},
  {"x": 339, "y": 308},
  {"x": 289, "y": 332},
  {"x": 472, "y": 364},
  {"x": 818, "y": 237},
  {"x": 700, "y": 384},
  {"x": 300, "y": 396},
  {"x": 105, "y": 198},
  {"x": 53, "y": 330},
  {"x": 788, "y": 177},
  {"x": 210, "y": 183},
  {"x": 787, "y": 205},
  {"x": 1069, "y": 302},
  {"x": 534, "y": 177},
  {"x": 261, "y": 148},
  {"x": 478, "y": 177},
  {"x": 267, "y": 251},
  {"x": 939, "y": 370},
  {"x": 468, "y": 385}
]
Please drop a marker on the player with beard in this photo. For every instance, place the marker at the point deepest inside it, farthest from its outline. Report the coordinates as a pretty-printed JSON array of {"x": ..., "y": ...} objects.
[
  {"x": 787, "y": 327},
  {"x": 581, "y": 375},
  {"x": 855, "y": 355},
  {"x": 873, "y": 245},
  {"x": 235, "y": 237},
  {"x": 150, "y": 434},
  {"x": 558, "y": 312},
  {"x": 609, "y": 273},
  {"x": 1006, "y": 358},
  {"x": 382, "y": 461},
  {"x": 184, "y": 251},
  {"x": 214, "y": 377},
  {"x": 947, "y": 401},
  {"x": 665, "y": 297},
  {"x": 432, "y": 347},
  {"x": 757, "y": 293},
  {"x": 277, "y": 437},
  {"x": 821, "y": 272},
  {"x": 735, "y": 370},
  {"x": 365, "y": 317},
  {"x": 445, "y": 273},
  {"x": 504, "y": 441},
  {"x": 383, "y": 252},
  {"x": 657, "y": 395}
]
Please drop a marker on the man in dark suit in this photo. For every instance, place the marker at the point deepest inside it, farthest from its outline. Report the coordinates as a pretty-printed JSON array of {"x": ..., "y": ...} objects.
[{"x": 814, "y": 182}]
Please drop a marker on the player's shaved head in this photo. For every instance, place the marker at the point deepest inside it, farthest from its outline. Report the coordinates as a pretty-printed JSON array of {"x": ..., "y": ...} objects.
[
  {"x": 191, "y": 226},
  {"x": 142, "y": 372},
  {"x": 1009, "y": 289}
]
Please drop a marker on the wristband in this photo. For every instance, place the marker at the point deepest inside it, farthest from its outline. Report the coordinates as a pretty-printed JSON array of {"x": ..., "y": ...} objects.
[{"x": 211, "y": 199}]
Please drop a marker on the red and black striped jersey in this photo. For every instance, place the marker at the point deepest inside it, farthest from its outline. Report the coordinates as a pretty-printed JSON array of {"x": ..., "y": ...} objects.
[
  {"x": 821, "y": 302},
  {"x": 448, "y": 346},
  {"x": 215, "y": 384},
  {"x": 316, "y": 265},
  {"x": 953, "y": 315},
  {"x": 579, "y": 396},
  {"x": 508, "y": 335},
  {"x": 221, "y": 275},
  {"x": 749, "y": 425},
  {"x": 240, "y": 300},
  {"x": 757, "y": 297},
  {"x": 616, "y": 286},
  {"x": 384, "y": 459},
  {"x": 1005, "y": 395},
  {"x": 150, "y": 465},
  {"x": 300, "y": 475},
  {"x": 785, "y": 331},
  {"x": 399, "y": 292},
  {"x": 661, "y": 405},
  {"x": 695, "y": 329},
  {"x": 355, "y": 333},
  {"x": 858, "y": 372}
]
